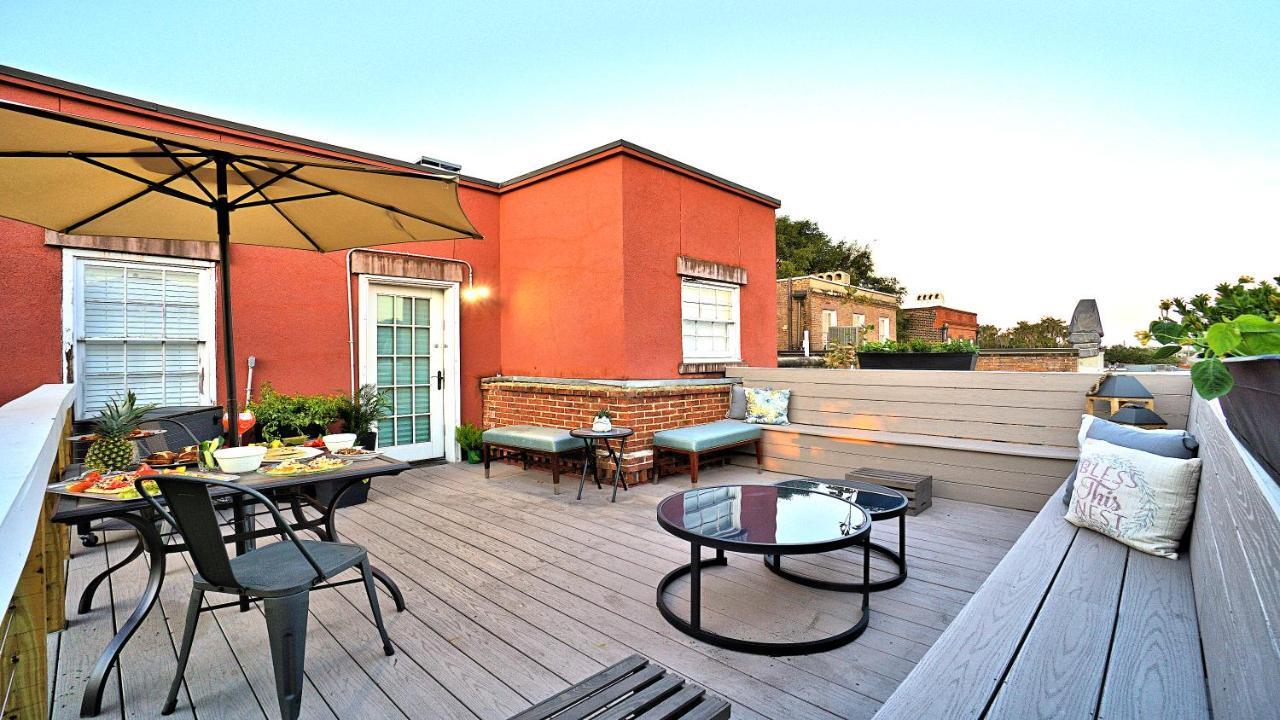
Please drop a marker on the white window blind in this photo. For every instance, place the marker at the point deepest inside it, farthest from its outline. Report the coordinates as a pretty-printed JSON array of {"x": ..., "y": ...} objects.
[
  {"x": 138, "y": 327},
  {"x": 709, "y": 321}
]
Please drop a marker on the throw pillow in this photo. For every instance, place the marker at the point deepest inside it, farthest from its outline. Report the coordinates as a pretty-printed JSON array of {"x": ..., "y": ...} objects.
[
  {"x": 1169, "y": 443},
  {"x": 737, "y": 403},
  {"x": 1139, "y": 498},
  {"x": 767, "y": 407}
]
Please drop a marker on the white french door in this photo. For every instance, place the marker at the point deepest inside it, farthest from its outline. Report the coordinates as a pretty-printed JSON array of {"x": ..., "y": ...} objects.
[{"x": 404, "y": 355}]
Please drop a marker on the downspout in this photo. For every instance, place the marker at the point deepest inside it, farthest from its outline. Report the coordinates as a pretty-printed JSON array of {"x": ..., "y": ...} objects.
[{"x": 351, "y": 321}]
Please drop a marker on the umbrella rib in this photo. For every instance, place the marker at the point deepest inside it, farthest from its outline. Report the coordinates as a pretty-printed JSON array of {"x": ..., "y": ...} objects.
[
  {"x": 291, "y": 198},
  {"x": 258, "y": 189},
  {"x": 280, "y": 212},
  {"x": 183, "y": 167},
  {"x": 116, "y": 206},
  {"x": 159, "y": 187},
  {"x": 384, "y": 206}
]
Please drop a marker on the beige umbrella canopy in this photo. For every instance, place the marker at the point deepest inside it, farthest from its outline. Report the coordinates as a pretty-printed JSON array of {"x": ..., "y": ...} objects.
[{"x": 90, "y": 177}]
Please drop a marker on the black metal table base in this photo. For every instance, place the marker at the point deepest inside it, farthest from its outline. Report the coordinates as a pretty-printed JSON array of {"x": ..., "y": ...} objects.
[
  {"x": 693, "y": 626},
  {"x": 774, "y": 563},
  {"x": 590, "y": 465}
]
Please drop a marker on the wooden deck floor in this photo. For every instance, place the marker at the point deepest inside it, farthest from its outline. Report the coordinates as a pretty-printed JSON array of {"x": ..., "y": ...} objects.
[{"x": 514, "y": 593}]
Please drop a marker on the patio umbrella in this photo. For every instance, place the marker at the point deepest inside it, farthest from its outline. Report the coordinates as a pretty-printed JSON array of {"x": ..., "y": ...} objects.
[{"x": 91, "y": 177}]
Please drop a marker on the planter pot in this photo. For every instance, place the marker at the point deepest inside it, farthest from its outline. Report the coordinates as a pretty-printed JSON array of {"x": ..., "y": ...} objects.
[
  {"x": 917, "y": 361},
  {"x": 473, "y": 457},
  {"x": 1252, "y": 408},
  {"x": 367, "y": 440},
  {"x": 357, "y": 495},
  {"x": 602, "y": 425}
]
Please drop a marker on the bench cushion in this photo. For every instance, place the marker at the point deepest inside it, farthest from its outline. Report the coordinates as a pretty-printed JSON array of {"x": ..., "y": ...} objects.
[
  {"x": 529, "y": 437},
  {"x": 697, "y": 438}
]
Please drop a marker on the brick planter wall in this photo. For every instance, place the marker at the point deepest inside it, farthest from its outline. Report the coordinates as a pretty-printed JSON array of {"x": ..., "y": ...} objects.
[
  {"x": 569, "y": 404},
  {"x": 1032, "y": 360}
]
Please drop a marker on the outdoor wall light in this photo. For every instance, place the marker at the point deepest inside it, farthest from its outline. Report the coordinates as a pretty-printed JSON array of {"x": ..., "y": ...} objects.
[{"x": 475, "y": 292}]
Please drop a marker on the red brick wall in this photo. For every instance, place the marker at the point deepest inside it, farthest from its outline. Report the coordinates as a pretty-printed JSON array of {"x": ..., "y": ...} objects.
[
  {"x": 806, "y": 314},
  {"x": 643, "y": 409},
  {"x": 926, "y": 323},
  {"x": 1029, "y": 361}
]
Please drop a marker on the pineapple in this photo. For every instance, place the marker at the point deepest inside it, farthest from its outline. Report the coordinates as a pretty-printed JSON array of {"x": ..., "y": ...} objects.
[{"x": 112, "y": 449}]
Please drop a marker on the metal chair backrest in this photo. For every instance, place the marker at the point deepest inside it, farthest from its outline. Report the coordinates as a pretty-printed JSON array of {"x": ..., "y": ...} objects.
[{"x": 191, "y": 511}]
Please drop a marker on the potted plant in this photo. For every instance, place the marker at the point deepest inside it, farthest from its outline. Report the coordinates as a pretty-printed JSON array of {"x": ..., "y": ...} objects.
[
  {"x": 603, "y": 421},
  {"x": 361, "y": 412},
  {"x": 918, "y": 354},
  {"x": 470, "y": 438},
  {"x": 1239, "y": 361},
  {"x": 280, "y": 415}
]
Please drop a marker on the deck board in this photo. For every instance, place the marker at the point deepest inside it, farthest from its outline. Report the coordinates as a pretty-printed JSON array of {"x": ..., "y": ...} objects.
[{"x": 514, "y": 593}]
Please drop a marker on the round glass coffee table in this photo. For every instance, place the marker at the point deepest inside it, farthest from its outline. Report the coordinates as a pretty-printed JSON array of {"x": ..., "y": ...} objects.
[
  {"x": 761, "y": 520},
  {"x": 881, "y": 503}
]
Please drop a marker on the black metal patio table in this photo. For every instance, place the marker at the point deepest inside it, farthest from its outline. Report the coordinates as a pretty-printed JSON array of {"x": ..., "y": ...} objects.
[
  {"x": 287, "y": 490},
  {"x": 760, "y": 520},
  {"x": 590, "y": 437},
  {"x": 881, "y": 503}
]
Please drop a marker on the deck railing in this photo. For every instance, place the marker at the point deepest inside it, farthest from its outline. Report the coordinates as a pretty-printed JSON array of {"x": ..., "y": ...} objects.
[{"x": 33, "y": 432}]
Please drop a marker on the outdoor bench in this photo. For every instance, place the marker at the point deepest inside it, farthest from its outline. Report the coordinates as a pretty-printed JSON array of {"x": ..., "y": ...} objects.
[
  {"x": 1070, "y": 624},
  {"x": 633, "y": 688},
  {"x": 527, "y": 442},
  {"x": 696, "y": 442}
]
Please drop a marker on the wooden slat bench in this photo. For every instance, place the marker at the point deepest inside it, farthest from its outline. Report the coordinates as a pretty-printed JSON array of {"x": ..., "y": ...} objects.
[
  {"x": 633, "y": 688},
  {"x": 528, "y": 443},
  {"x": 1073, "y": 624}
]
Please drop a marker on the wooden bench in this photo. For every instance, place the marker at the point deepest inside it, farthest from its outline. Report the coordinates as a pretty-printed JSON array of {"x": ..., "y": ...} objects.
[
  {"x": 697, "y": 443},
  {"x": 1074, "y": 624},
  {"x": 527, "y": 443},
  {"x": 633, "y": 688}
]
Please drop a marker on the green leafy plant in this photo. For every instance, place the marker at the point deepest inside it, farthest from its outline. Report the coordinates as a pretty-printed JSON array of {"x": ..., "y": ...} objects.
[
  {"x": 361, "y": 412},
  {"x": 469, "y": 437},
  {"x": 1130, "y": 355},
  {"x": 1243, "y": 336},
  {"x": 280, "y": 415},
  {"x": 916, "y": 345},
  {"x": 605, "y": 413},
  {"x": 1197, "y": 313}
]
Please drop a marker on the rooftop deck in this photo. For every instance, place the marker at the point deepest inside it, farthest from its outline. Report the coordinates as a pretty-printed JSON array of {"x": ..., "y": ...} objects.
[{"x": 514, "y": 594}]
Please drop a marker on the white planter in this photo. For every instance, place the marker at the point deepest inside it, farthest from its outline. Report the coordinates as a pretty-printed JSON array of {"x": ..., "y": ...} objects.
[{"x": 602, "y": 424}]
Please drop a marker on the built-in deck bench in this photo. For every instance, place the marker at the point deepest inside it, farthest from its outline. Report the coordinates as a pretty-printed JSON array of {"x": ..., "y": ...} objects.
[
  {"x": 698, "y": 443},
  {"x": 529, "y": 445},
  {"x": 1074, "y": 624}
]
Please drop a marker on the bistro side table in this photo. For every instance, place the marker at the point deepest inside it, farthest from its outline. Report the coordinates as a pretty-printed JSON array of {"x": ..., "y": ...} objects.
[
  {"x": 590, "y": 437},
  {"x": 881, "y": 503}
]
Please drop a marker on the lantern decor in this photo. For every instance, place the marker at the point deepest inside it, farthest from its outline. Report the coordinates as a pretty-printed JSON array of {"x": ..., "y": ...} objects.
[{"x": 1123, "y": 399}]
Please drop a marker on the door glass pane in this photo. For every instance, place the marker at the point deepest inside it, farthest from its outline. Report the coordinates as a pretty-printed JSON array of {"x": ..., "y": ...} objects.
[
  {"x": 385, "y": 312},
  {"x": 422, "y": 400},
  {"x": 404, "y": 431},
  {"x": 404, "y": 341},
  {"x": 385, "y": 340},
  {"x": 404, "y": 368},
  {"x": 421, "y": 371},
  {"x": 421, "y": 342},
  {"x": 404, "y": 311},
  {"x": 421, "y": 312},
  {"x": 385, "y": 377},
  {"x": 422, "y": 429}
]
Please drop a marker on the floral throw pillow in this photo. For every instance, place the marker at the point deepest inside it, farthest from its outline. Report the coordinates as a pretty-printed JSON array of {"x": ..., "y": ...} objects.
[
  {"x": 1143, "y": 500},
  {"x": 767, "y": 407}
]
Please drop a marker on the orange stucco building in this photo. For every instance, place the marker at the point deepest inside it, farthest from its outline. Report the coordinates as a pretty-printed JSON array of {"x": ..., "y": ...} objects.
[{"x": 617, "y": 265}]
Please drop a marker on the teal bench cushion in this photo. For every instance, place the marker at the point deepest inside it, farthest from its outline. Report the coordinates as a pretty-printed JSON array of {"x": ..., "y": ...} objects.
[
  {"x": 697, "y": 438},
  {"x": 528, "y": 437}
]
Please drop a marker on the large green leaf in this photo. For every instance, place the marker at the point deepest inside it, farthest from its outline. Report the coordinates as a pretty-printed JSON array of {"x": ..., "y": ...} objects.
[
  {"x": 1211, "y": 378},
  {"x": 1166, "y": 351},
  {"x": 1254, "y": 324},
  {"x": 1259, "y": 344},
  {"x": 1167, "y": 332},
  {"x": 1222, "y": 338}
]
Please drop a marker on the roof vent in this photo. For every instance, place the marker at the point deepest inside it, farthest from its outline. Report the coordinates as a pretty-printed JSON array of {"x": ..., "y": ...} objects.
[{"x": 444, "y": 165}]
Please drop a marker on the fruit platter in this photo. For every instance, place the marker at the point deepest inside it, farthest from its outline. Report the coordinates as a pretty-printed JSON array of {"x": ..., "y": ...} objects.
[
  {"x": 307, "y": 467},
  {"x": 118, "y": 486}
]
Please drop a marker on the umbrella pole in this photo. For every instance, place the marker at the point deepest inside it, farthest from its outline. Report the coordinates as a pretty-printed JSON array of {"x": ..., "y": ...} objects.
[{"x": 228, "y": 346}]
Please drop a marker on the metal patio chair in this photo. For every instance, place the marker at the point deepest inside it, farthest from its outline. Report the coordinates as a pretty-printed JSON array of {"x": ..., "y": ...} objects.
[{"x": 281, "y": 574}]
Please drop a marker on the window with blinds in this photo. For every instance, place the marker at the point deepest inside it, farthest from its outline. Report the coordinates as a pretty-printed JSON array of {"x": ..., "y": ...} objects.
[
  {"x": 142, "y": 327},
  {"x": 709, "y": 321}
]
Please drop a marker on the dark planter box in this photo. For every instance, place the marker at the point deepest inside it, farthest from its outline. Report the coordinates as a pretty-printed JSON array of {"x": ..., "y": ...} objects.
[
  {"x": 358, "y": 494},
  {"x": 917, "y": 361},
  {"x": 1252, "y": 408}
]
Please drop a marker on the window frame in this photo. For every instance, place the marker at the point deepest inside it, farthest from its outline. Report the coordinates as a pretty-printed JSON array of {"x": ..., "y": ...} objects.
[
  {"x": 734, "y": 353},
  {"x": 73, "y": 262},
  {"x": 885, "y": 328}
]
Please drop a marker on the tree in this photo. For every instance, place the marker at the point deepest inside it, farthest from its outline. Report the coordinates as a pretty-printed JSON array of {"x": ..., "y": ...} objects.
[
  {"x": 1047, "y": 332},
  {"x": 805, "y": 249}
]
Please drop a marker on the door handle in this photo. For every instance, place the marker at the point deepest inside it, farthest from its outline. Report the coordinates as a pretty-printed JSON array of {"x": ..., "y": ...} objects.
[{"x": 439, "y": 379}]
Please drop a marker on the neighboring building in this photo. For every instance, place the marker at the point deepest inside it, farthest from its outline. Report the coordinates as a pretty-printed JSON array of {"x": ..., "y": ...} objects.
[
  {"x": 818, "y": 303},
  {"x": 927, "y": 317},
  {"x": 618, "y": 267}
]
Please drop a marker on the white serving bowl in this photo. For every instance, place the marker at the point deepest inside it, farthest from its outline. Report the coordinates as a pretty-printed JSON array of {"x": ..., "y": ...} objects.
[
  {"x": 340, "y": 441},
  {"x": 240, "y": 459}
]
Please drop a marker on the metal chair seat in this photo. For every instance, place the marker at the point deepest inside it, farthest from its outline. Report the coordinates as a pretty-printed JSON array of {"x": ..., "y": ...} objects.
[{"x": 279, "y": 569}]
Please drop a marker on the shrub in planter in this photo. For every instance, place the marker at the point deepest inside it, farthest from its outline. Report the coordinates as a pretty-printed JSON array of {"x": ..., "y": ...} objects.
[
  {"x": 470, "y": 438},
  {"x": 917, "y": 354},
  {"x": 281, "y": 416},
  {"x": 360, "y": 414},
  {"x": 1239, "y": 361}
]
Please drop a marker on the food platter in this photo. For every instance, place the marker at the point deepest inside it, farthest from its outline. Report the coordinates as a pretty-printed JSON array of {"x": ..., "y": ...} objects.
[
  {"x": 169, "y": 459},
  {"x": 133, "y": 436},
  {"x": 290, "y": 452},
  {"x": 314, "y": 466},
  {"x": 118, "y": 486},
  {"x": 357, "y": 454}
]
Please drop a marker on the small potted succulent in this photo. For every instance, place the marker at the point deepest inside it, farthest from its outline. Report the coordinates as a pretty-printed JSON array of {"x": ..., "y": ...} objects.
[
  {"x": 603, "y": 421},
  {"x": 470, "y": 439},
  {"x": 1239, "y": 361}
]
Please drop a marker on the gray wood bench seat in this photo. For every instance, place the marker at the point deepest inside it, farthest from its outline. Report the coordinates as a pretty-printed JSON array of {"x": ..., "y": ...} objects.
[{"x": 1070, "y": 624}]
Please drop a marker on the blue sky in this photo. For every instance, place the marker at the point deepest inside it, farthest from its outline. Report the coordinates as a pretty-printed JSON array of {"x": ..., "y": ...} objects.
[{"x": 1010, "y": 155}]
